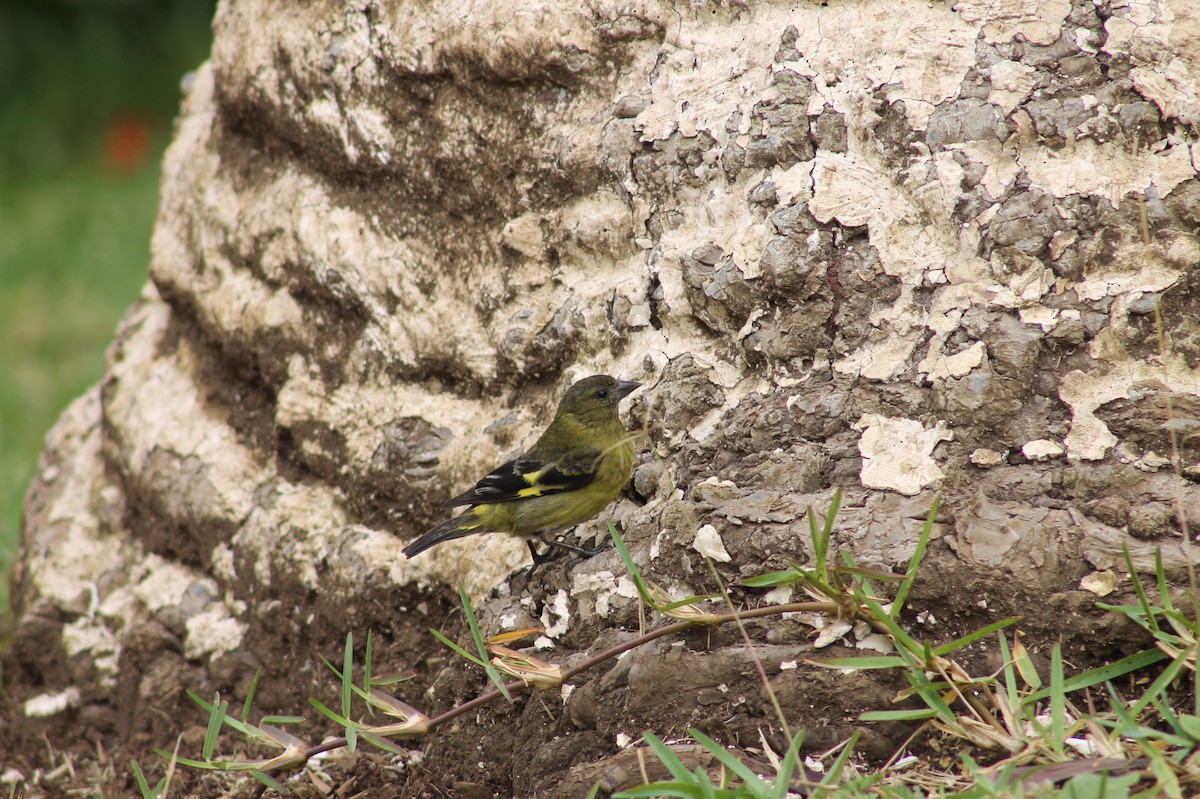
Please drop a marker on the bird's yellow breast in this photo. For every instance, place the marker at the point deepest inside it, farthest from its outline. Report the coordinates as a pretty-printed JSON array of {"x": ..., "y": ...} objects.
[{"x": 565, "y": 509}]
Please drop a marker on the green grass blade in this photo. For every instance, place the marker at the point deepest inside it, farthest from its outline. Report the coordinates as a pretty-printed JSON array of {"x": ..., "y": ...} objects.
[
  {"x": 336, "y": 671},
  {"x": 347, "y": 684},
  {"x": 1058, "y": 702},
  {"x": 634, "y": 572},
  {"x": 931, "y": 696},
  {"x": 851, "y": 567},
  {"x": 481, "y": 645},
  {"x": 1167, "y": 782},
  {"x": 821, "y": 537},
  {"x": 1147, "y": 610},
  {"x": 216, "y": 720},
  {"x": 1107, "y": 673},
  {"x": 1161, "y": 682},
  {"x": 498, "y": 680},
  {"x": 204, "y": 704},
  {"x": 1167, "y": 714},
  {"x": 1164, "y": 593},
  {"x": 970, "y": 638},
  {"x": 1127, "y": 725},
  {"x": 870, "y": 572},
  {"x": 1189, "y": 725},
  {"x": 744, "y": 772},
  {"x": 914, "y": 563},
  {"x": 1134, "y": 612},
  {"x": 458, "y": 649},
  {"x": 282, "y": 719},
  {"x": 201, "y": 764},
  {"x": 269, "y": 781},
  {"x": 668, "y": 758},
  {"x": 336, "y": 718},
  {"x": 774, "y": 579},
  {"x": 686, "y": 601},
  {"x": 369, "y": 662},
  {"x": 1011, "y": 687},
  {"x": 835, "y": 771},
  {"x": 233, "y": 723},
  {"x": 1184, "y": 628},
  {"x": 787, "y": 767},
  {"x": 835, "y": 505},
  {"x": 382, "y": 743},
  {"x": 473, "y": 623},
  {"x": 249, "y": 703},
  {"x": 143, "y": 787},
  {"x": 902, "y": 638}
]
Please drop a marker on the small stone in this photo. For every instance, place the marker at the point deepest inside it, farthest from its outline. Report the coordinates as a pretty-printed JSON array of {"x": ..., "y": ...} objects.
[
  {"x": 763, "y": 193},
  {"x": 986, "y": 458},
  {"x": 197, "y": 597},
  {"x": 1151, "y": 462},
  {"x": 524, "y": 235},
  {"x": 1151, "y": 520},
  {"x": 1143, "y": 303},
  {"x": 1113, "y": 511},
  {"x": 709, "y": 544},
  {"x": 45, "y": 705},
  {"x": 629, "y": 106},
  {"x": 646, "y": 477},
  {"x": 1042, "y": 449},
  {"x": 1101, "y": 583},
  {"x": 829, "y": 130},
  {"x": 762, "y": 154},
  {"x": 967, "y": 120}
]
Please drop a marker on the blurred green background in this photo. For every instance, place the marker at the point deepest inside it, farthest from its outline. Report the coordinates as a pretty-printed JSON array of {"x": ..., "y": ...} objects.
[{"x": 88, "y": 89}]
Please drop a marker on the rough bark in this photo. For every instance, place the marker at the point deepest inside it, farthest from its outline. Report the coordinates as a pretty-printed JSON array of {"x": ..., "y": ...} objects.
[{"x": 893, "y": 247}]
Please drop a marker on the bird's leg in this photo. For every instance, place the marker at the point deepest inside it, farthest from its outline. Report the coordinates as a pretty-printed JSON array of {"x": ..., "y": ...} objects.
[
  {"x": 552, "y": 544},
  {"x": 583, "y": 552},
  {"x": 591, "y": 552},
  {"x": 538, "y": 557}
]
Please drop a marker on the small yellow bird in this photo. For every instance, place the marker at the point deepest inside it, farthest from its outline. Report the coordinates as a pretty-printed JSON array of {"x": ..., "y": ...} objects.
[{"x": 574, "y": 470}]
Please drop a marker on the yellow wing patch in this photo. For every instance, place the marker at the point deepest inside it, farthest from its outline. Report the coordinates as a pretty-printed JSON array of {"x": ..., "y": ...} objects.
[{"x": 535, "y": 487}]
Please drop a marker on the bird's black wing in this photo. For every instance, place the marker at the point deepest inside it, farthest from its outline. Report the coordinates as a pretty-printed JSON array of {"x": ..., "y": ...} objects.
[{"x": 528, "y": 477}]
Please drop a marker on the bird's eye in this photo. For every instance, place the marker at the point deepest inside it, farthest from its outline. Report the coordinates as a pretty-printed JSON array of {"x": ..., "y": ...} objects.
[{"x": 602, "y": 393}]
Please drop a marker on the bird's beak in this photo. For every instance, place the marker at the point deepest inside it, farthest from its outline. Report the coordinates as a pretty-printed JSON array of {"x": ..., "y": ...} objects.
[{"x": 625, "y": 388}]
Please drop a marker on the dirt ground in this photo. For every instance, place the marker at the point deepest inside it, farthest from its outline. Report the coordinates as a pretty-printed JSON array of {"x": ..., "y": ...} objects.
[{"x": 540, "y": 744}]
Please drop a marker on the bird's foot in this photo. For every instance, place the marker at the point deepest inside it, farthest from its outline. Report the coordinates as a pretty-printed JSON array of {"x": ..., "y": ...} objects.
[
  {"x": 582, "y": 552},
  {"x": 553, "y": 545},
  {"x": 538, "y": 558},
  {"x": 592, "y": 552}
]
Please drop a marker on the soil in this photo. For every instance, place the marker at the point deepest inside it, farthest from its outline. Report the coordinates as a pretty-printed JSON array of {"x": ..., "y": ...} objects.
[{"x": 542, "y": 743}]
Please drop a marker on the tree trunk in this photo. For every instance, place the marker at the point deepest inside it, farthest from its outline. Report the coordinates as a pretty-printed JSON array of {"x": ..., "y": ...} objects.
[{"x": 891, "y": 247}]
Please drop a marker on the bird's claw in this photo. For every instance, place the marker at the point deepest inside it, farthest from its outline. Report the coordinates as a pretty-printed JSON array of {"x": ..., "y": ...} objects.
[{"x": 553, "y": 544}]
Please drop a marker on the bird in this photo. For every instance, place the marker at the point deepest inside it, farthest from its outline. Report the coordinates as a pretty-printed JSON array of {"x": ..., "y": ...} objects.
[{"x": 571, "y": 473}]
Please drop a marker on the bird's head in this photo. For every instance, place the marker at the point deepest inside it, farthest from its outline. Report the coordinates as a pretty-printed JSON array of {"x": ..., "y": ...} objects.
[{"x": 594, "y": 399}]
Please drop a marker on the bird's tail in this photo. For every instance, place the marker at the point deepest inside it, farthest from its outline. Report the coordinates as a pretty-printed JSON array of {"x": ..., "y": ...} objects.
[{"x": 461, "y": 525}]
